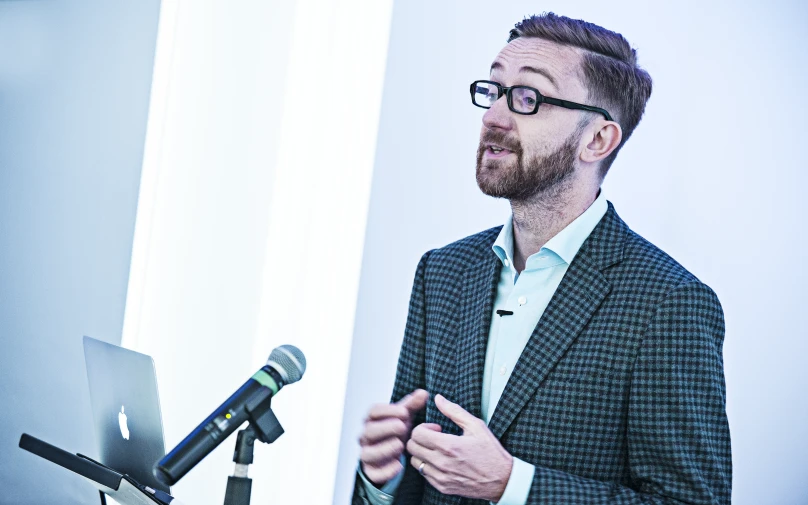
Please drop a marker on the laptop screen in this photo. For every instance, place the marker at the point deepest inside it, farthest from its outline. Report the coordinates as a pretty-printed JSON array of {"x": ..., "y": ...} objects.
[{"x": 126, "y": 410}]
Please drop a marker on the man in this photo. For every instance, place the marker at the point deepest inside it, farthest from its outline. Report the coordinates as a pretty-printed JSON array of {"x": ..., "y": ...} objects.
[{"x": 559, "y": 359}]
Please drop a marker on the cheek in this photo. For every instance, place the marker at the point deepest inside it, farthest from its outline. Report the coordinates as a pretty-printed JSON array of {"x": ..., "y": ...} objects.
[
  {"x": 536, "y": 140},
  {"x": 545, "y": 133}
]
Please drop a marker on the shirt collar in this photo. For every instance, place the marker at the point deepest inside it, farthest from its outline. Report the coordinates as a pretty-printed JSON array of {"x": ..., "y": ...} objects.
[{"x": 565, "y": 244}]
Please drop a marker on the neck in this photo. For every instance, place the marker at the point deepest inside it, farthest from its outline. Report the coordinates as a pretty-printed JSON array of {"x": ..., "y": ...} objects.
[{"x": 542, "y": 217}]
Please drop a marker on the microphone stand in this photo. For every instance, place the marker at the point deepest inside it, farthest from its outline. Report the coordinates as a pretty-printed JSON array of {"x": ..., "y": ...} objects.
[{"x": 264, "y": 427}]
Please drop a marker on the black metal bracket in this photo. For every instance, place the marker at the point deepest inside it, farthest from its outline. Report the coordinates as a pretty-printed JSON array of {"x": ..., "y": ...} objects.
[{"x": 264, "y": 427}]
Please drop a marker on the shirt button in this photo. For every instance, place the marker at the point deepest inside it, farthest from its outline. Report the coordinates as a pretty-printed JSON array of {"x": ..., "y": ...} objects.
[
  {"x": 503, "y": 370},
  {"x": 522, "y": 300},
  {"x": 506, "y": 262}
]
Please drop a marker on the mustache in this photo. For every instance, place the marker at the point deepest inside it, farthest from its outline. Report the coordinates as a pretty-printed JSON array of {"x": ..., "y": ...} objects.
[{"x": 501, "y": 139}]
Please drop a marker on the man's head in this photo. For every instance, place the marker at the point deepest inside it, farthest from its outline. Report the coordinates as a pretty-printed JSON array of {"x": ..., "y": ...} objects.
[{"x": 570, "y": 60}]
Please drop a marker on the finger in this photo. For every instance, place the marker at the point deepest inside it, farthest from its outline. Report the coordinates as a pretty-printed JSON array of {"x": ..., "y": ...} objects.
[
  {"x": 456, "y": 413},
  {"x": 420, "y": 451},
  {"x": 432, "y": 426},
  {"x": 414, "y": 401},
  {"x": 382, "y": 474},
  {"x": 380, "y": 454},
  {"x": 386, "y": 410},
  {"x": 431, "y": 438},
  {"x": 428, "y": 471},
  {"x": 415, "y": 462},
  {"x": 382, "y": 429}
]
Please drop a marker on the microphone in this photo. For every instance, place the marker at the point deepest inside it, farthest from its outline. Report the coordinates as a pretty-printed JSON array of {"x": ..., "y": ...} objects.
[{"x": 285, "y": 365}]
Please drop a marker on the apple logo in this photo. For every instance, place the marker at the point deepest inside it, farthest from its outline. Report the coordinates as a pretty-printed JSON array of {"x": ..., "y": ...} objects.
[{"x": 122, "y": 423}]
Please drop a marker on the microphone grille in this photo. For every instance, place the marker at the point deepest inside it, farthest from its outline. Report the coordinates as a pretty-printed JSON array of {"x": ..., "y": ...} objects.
[{"x": 289, "y": 361}]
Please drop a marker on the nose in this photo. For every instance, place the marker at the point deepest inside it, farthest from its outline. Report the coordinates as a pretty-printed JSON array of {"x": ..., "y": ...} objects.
[{"x": 499, "y": 116}]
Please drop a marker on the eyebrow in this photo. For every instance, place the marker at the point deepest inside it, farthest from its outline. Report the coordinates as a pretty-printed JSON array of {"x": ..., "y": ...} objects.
[{"x": 498, "y": 66}]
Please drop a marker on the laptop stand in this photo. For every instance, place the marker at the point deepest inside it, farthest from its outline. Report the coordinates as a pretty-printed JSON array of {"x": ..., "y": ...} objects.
[{"x": 121, "y": 487}]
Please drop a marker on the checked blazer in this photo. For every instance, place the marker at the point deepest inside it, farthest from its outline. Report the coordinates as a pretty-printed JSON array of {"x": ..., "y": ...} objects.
[{"x": 617, "y": 398}]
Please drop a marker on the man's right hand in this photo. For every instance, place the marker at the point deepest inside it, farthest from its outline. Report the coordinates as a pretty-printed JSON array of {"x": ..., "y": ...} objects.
[{"x": 387, "y": 431}]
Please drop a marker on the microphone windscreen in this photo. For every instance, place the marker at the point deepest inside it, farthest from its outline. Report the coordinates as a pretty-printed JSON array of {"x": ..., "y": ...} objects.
[{"x": 289, "y": 361}]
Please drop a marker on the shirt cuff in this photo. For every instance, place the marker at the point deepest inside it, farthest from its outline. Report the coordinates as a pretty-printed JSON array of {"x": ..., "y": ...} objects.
[
  {"x": 519, "y": 483},
  {"x": 385, "y": 495}
]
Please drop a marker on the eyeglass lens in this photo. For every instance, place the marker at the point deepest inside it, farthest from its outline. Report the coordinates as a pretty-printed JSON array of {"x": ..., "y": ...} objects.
[{"x": 523, "y": 100}]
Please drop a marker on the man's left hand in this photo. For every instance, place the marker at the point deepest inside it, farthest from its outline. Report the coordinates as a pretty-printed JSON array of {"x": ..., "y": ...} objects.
[{"x": 474, "y": 465}]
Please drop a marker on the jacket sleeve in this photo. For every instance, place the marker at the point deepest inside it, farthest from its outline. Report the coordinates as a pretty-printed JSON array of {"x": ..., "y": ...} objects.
[
  {"x": 409, "y": 376},
  {"x": 678, "y": 434}
]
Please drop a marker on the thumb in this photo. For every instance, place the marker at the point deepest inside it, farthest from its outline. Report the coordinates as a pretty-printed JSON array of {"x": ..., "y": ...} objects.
[
  {"x": 414, "y": 401},
  {"x": 456, "y": 413}
]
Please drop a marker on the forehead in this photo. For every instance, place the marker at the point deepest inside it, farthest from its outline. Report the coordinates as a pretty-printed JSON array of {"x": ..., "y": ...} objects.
[{"x": 538, "y": 60}]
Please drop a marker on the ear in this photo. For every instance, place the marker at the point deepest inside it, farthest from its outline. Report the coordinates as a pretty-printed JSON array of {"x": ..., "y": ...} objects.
[{"x": 603, "y": 138}]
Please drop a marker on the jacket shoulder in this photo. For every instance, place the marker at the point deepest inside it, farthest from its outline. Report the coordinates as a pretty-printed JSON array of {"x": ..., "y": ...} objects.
[
  {"x": 632, "y": 262},
  {"x": 465, "y": 252},
  {"x": 642, "y": 256},
  {"x": 648, "y": 264}
]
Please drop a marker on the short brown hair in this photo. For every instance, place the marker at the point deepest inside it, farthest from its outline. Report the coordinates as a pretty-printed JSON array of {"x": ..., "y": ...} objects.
[{"x": 609, "y": 68}]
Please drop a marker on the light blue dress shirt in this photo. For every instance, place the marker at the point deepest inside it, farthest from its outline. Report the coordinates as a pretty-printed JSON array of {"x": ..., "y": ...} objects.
[{"x": 527, "y": 295}]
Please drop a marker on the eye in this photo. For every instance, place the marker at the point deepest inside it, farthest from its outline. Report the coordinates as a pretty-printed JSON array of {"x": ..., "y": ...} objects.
[{"x": 525, "y": 99}]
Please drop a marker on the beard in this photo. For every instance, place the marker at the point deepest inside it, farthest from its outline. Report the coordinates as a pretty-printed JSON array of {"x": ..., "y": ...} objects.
[{"x": 523, "y": 179}]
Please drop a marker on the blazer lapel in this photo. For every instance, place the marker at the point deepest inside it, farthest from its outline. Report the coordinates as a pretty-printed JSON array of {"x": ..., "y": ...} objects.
[
  {"x": 479, "y": 290},
  {"x": 575, "y": 301}
]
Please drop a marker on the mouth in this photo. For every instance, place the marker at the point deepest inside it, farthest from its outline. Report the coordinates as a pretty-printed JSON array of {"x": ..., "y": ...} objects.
[{"x": 495, "y": 151}]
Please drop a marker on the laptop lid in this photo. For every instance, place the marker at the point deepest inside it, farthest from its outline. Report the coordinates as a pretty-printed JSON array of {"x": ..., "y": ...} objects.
[{"x": 126, "y": 410}]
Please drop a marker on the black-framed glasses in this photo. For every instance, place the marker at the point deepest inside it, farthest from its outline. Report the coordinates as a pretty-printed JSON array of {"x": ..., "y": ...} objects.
[{"x": 522, "y": 99}]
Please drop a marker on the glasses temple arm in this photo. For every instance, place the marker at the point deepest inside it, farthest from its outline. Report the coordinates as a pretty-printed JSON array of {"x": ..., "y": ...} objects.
[{"x": 572, "y": 105}]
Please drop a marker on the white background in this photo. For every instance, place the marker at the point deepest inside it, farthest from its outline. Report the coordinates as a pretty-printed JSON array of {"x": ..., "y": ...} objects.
[
  {"x": 74, "y": 98},
  {"x": 251, "y": 220}
]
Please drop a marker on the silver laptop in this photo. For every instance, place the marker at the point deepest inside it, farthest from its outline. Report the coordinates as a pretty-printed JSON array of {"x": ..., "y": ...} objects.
[{"x": 126, "y": 409}]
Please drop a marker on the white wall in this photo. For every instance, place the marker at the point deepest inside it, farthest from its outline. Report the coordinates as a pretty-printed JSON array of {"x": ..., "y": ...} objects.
[
  {"x": 251, "y": 221},
  {"x": 713, "y": 175},
  {"x": 74, "y": 95},
  {"x": 200, "y": 237}
]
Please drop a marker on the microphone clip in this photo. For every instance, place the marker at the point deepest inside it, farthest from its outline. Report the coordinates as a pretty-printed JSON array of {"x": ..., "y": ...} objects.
[{"x": 263, "y": 421}]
